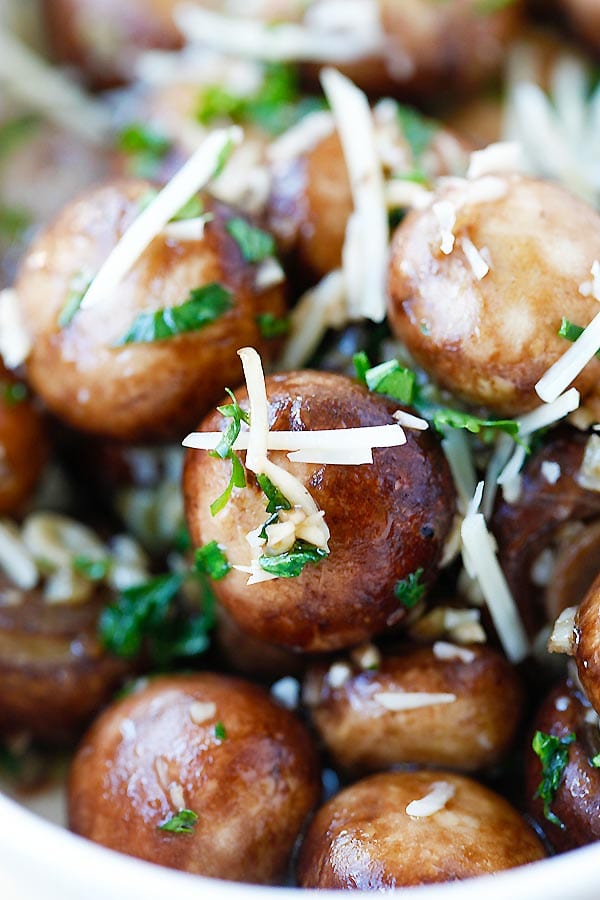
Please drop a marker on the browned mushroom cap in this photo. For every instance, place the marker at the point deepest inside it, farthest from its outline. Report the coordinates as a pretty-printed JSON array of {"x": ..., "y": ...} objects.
[
  {"x": 560, "y": 516},
  {"x": 587, "y": 642},
  {"x": 470, "y": 698},
  {"x": 478, "y": 335},
  {"x": 54, "y": 675},
  {"x": 140, "y": 390},
  {"x": 23, "y": 444},
  {"x": 216, "y": 746},
  {"x": 250, "y": 656},
  {"x": 576, "y": 803},
  {"x": 387, "y": 520},
  {"x": 369, "y": 838},
  {"x": 103, "y": 37}
]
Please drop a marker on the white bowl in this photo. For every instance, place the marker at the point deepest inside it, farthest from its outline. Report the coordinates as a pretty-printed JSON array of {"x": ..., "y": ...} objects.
[{"x": 39, "y": 859}]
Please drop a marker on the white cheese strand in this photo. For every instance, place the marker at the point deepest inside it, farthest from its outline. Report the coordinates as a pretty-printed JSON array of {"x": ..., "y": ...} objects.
[
  {"x": 479, "y": 557},
  {"x": 245, "y": 37},
  {"x": 324, "y": 306},
  {"x": 400, "y": 701},
  {"x": 567, "y": 368},
  {"x": 457, "y": 450},
  {"x": 368, "y": 232},
  {"x": 45, "y": 88},
  {"x": 497, "y": 158},
  {"x": 15, "y": 343},
  {"x": 193, "y": 176},
  {"x": 549, "y": 413},
  {"x": 440, "y": 793}
]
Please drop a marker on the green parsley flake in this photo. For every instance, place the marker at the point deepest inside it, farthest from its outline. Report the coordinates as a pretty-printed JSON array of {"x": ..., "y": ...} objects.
[
  {"x": 271, "y": 326},
  {"x": 389, "y": 378},
  {"x": 203, "y": 307},
  {"x": 14, "y": 392},
  {"x": 276, "y": 499},
  {"x": 220, "y": 732},
  {"x": 453, "y": 418},
  {"x": 572, "y": 332},
  {"x": 182, "y": 822},
  {"x": 146, "y": 148},
  {"x": 293, "y": 562},
  {"x": 224, "y": 450},
  {"x": 255, "y": 244},
  {"x": 596, "y": 761},
  {"x": 417, "y": 129},
  {"x": 92, "y": 569},
  {"x": 410, "y": 590},
  {"x": 77, "y": 291},
  {"x": 193, "y": 209},
  {"x": 553, "y": 752},
  {"x": 211, "y": 560}
]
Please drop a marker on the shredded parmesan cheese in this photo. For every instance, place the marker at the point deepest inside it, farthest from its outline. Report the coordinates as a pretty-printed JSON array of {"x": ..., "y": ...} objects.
[
  {"x": 324, "y": 306},
  {"x": 503, "y": 156},
  {"x": 187, "y": 229},
  {"x": 45, "y": 88},
  {"x": 549, "y": 413},
  {"x": 367, "y": 235},
  {"x": 562, "y": 639},
  {"x": 445, "y": 651},
  {"x": 15, "y": 559},
  {"x": 592, "y": 288},
  {"x": 478, "y": 264},
  {"x": 287, "y": 692},
  {"x": 302, "y": 137},
  {"x": 440, "y": 793},
  {"x": 588, "y": 476},
  {"x": 567, "y": 368},
  {"x": 550, "y": 471},
  {"x": 194, "y": 175},
  {"x": 202, "y": 712},
  {"x": 445, "y": 213},
  {"x": 338, "y": 41},
  {"x": 400, "y": 701},
  {"x": 15, "y": 343},
  {"x": 479, "y": 557},
  {"x": 269, "y": 274},
  {"x": 339, "y": 673},
  {"x": 403, "y": 194}
]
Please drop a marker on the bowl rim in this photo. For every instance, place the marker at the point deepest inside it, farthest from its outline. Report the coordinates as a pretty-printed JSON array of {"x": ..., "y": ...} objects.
[{"x": 66, "y": 860}]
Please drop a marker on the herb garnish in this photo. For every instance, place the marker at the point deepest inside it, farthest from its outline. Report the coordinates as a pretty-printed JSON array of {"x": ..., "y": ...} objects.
[
  {"x": 389, "y": 378},
  {"x": 13, "y": 392},
  {"x": 203, "y": 307},
  {"x": 410, "y": 590},
  {"x": 255, "y": 244},
  {"x": 77, "y": 291},
  {"x": 211, "y": 561},
  {"x": 553, "y": 752},
  {"x": 193, "y": 209},
  {"x": 224, "y": 450},
  {"x": 271, "y": 326},
  {"x": 571, "y": 332},
  {"x": 146, "y": 147},
  {"x": 291, "y": 563},
  {"x": 454, "y": 418},
  {"x": 417, "y": 129},
  {"x": 220, "y": 732},
  {"x": 182, "y": 822},
  {"x": 92, "y": 569},
  {"x": 276, "y": 499}
]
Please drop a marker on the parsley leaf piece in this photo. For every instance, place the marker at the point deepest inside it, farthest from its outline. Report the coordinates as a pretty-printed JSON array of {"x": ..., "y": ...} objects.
[
  {"x": 193, "y": 209},
  {"x": 361, "y": 365},
  {"x": 214, "y": 102},
  {"x": 417, "y": 129},
  {"x": 393, "y": 380},
  {"x": 271, "y": 326},
  {"x": 212, "y": 561},
  {"x": 292, "y": 563},
  {"x": 255, "y": 244},
  {"x": 14, "y": 221},
  {"x": 595, "y": 761},
  {"x": 77, "y": 292},
  {"x": 203, "y": 307},
  {"x": 571, "y": 332},
  {"x": 13, "y": 392},
  {"x": 453, "y": 418},
  {"x": 145, "y": 146},
  {"x": 182, "y": 822},
  {"x": 220, "y": 731},
  {"x": 237, "y": 415},
  {"x": 410, "y": 590},
  {"x": 553, "y": 752},
  {"x": 276, "y": 499},
  {"x": 92, "y": 569},
  {"x": 237, "y": 479}
]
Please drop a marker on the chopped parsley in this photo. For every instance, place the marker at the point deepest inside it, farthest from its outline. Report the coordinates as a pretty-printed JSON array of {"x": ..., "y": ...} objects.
[
  {"x": 211, "y": 561},
  {"x": 92, "y": 569},
  {"x": 203, "y": 307},
  {"x": 77, "y": 291},
  {"x": 146, "y": 148},
  {"x": 571, "y": 332},
  {"x": 255, "y": 244},
  {"x": 224, "y": 450},
  {"x": 182, "y": 822},
  {"x": 220, "y": 732},
  {"x": 271, "y": 326},
  {"x": 14, "y": 392},
  {"x": 595, "y": 761},
  {"x": 454, "y": 418},
  {"x": 418, "y": 130},
  {"x": 410, "y": 590},
  {"x": 553, "y": 752},
  {"x": 237, "y": 479},
  {"x": 276, "y": 499},
  {"x": 193, "y": 209},
  {"x": 389, "y": 378},
  {"x": 148, "y": 617},
  {"x": 275, "y": 106},
  {"x": 293, "y": 562}
]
